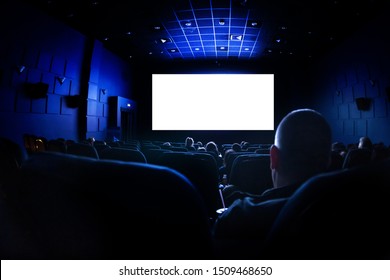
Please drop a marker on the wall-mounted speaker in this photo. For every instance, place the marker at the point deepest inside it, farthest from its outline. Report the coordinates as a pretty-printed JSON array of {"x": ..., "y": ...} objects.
[
  {"x": 36, "y": 90},
  {"x": 388, "y": 93},
  {"x": 74, "y": 101},
  {"x": 363, "y": 103}
]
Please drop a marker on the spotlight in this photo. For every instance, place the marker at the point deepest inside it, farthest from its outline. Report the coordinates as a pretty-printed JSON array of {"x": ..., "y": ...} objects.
[
  {"x": 61, "y": 80},
  {"x": 21, "y": 68},
  {"x": 254, "y": 23},
  {"x": 165, "y": 40},
  {"x": 279, "y": 39}
]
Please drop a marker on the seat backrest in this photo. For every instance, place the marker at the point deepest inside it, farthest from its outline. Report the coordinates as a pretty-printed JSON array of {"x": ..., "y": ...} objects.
[
  {"x": 251, "y": 173},
  {"x": 83, "y": 208},
  {"x": 124, "y": 154},
  {"x": 56, "y": 145},
  {"x": 336, "y": 215},
  {"x": 336, "y": 161},
  {"x": 153, "y": 155},
  {"x": 356, "y": 157},
  {"x": 230, "y": 159},
  {"x": 201, "y": 169},
  {"x": 82, "y": 149}
]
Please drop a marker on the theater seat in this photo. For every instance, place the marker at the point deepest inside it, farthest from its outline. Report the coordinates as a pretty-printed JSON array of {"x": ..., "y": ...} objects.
[
  {"x": 82, "y": 208},
  {"x": 82, "y": 149},
  {"x": 201, "y": 169},
  {"x": 338, "y": 215},
  {"x": 251, "y": 173},
  {"x": 116, "y": 153},
  {"x": 357, "y": 157}
]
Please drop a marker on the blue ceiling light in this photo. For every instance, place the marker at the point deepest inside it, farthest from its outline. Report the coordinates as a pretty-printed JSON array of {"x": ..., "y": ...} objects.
[
  {"x": 236, "y": 37},
  {"x": 206, "y": 30},
  {"x": 278, "y": 39},
  {"x": 199, "y": 27},
  {"x": 173, "y": 50},
  {"x": 187, "y": 23},
  {"x": 254, "y": 23},
  {"x": 165, "y": 40}
]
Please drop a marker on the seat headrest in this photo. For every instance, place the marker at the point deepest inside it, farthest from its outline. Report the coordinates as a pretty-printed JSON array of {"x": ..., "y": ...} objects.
[{"x": 336, "y": 215}]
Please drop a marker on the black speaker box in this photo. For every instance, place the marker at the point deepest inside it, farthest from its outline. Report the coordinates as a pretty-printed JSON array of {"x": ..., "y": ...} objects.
[
  {"x": 363, "y": 103},
  {"x": 74, "y": 101},
  {"x": 36, "y": 90},
  {"x": 388, "y": 93}
]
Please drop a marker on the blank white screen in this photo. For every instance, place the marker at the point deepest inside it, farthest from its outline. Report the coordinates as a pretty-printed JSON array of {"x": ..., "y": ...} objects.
[{"x": 212, "y": 102}]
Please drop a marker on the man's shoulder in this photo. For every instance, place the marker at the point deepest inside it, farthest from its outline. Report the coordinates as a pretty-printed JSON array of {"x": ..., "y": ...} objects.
[
  {"x": 253, "y": 205},
  {"x": 281, "y": 192}
]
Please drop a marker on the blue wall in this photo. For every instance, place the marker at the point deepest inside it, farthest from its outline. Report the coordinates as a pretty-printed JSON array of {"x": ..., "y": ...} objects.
[
  {"x": 49, "y": 49},
  {"x": 357, "y": 68}
]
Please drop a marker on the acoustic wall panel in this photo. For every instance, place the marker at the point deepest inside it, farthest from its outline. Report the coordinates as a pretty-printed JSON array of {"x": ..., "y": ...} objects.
[
  {"x": 359, "y": 90},
  {"x": 49, "y": 78},
  {"x": 348, "y": 94},
  {"x": 53, "y": 104},
  {"x": 38, "y": 105},
  {"x": 44, "y": 61}
]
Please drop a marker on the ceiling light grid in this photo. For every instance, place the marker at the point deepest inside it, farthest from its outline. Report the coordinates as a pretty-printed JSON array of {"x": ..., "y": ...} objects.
[{"x": 197, "y": 32}]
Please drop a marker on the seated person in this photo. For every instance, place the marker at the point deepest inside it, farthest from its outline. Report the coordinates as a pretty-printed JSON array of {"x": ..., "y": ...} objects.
[
  {"x": 301, "y": 149},
  {"x": 189, "y": 144}
]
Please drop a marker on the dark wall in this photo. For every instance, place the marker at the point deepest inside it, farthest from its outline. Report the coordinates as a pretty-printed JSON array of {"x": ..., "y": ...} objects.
[
  {"x": 49, "y": 50},
  {"x": 358, "y": 68}
]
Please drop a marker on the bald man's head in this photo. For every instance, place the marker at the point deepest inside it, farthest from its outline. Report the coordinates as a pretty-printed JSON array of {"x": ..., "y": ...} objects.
[{"x": 303, "y": 140}]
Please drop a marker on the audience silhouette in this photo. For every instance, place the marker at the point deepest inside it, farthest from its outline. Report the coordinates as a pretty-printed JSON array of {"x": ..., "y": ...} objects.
[
  {"x": 301, "y": 149},
  {"x": 212, "y": 148},
  {"x": 189, "y": 144},
  {"x": 365, "y": 142}
]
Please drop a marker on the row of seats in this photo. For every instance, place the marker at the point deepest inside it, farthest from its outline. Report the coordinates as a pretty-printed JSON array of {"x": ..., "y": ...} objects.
[
  {"x": 250, "y": 171},
  {"x": 120, "y": 152},
  {"x": 62, "y": 206}
]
